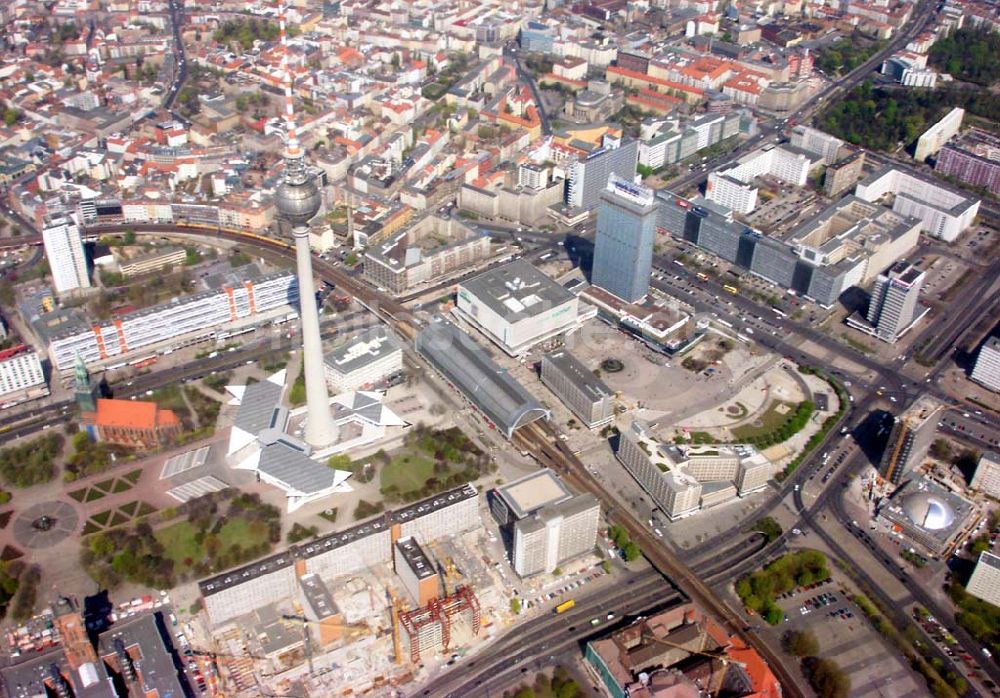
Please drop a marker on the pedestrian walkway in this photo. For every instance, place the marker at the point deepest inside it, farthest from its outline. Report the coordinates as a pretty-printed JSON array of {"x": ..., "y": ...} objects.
[
  {"x": 183, "y": 462},
  {"x": 196, "y": 488}
]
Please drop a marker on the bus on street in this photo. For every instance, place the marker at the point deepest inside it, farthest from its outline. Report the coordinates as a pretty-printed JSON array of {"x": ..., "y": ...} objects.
[{"x": 565, "y": 606}]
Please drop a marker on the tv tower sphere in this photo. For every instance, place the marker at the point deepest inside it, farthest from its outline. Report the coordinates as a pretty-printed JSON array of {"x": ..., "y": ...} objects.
[{"x": 297, "y": 197}]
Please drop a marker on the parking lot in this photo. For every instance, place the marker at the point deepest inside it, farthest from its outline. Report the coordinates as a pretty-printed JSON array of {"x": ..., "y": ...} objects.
[{"x": 846, "y": 637}]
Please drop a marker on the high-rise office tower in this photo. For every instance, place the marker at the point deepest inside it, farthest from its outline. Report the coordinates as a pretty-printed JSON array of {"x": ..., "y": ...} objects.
[
  {"x": 298, "y": 201},
  {"x": 910, "y": 438},
  {"x": 64, "y": 250},
  {"x": 589, "y": 176},
  {"x": 626, "y": 232},
  {"x": 894, "y": 300}
]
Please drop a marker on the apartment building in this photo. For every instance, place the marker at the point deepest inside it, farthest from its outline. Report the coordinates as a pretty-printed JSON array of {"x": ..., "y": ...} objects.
[
  {"x": 429, "y": 250},
  {"x": 684, "y": 140},
  {"x": 943, "y": 211},
  {"x": 245, "y": 294},
  {"x": 733, "y": 187},
  {"x": 416, "y": 570},
  {"x": 934, "y": 138},
  {"x": 844, "y": 174},
  {"x": 987, "y": 476},
  {"x": 21, "y": 375},
  {"x": 986, "y": 372},
  {"x": 973, "y": 159},
  {"x": 985, "y": 580},
  {"x": 817, "y": 142},
  {"x": 64, "y": 251},
  {"x": 153, "y": 262},
  {"x": 239, "y": 591},
  {"x": 549, "y": 525},
  {"x": 555, "y": 535}
]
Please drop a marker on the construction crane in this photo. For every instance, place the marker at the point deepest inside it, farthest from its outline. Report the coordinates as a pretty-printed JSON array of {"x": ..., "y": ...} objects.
[
  {"x": 397, "y": 643},
  {"x": 306, "y": 639}
]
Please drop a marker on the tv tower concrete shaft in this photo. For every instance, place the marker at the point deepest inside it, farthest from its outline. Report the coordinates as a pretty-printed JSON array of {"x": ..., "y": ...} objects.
[{"x": 321, "y": 430}]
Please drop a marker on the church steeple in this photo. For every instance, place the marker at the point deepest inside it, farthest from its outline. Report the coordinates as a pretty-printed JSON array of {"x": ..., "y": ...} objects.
[{"x": 86, "y": 392}]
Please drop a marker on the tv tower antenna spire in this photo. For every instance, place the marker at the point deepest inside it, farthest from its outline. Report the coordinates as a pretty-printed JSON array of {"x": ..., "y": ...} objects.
[{"x": 298, "y": 202}]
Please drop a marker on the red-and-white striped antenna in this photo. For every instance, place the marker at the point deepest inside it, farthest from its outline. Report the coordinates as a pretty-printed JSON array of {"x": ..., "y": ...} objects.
[{"x": 292, "y": 149}]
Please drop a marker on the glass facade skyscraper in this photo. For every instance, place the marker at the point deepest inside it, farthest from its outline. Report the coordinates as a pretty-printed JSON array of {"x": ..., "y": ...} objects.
[{"x": 626, "y": 232}]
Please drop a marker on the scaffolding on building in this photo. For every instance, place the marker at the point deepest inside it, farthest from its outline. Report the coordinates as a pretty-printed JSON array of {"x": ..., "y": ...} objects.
[{"x": 431, "y": 624}]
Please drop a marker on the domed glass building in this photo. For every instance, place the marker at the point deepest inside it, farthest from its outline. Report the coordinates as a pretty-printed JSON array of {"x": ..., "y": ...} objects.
[
  {"x": 926, "y": 514},
  {"x": 928, "y": 511}
]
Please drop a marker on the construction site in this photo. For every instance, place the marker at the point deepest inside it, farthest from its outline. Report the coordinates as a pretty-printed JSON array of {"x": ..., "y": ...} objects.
[{"x": 361, "y": 612}]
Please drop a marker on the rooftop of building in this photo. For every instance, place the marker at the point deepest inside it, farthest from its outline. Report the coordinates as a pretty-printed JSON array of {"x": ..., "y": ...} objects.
[
  {"x": 516, "y": 291},
  {"x": 430, "y": 235},
  {"x": 361, "y": 350},
  {"x": 530, "y": 493},
  {"x": 259, "y": 407},
  {"x": 151, "y": 257},
  {"x": 582, "y": 379},
  {"x": 317, "y": 597},
  {"x": 849, "y": 225},
  {"x": 153, "y": 659},
  {"x": 929, "y": 508},
  {"x": 956, "y": 202},
  {"x": 904, "y": 272},
  {"x": 415, "y": 557},
  {"x": 470, "y": 367},
  {"x": 989, "y": 559},
  {"x": 133, "y": 414}
]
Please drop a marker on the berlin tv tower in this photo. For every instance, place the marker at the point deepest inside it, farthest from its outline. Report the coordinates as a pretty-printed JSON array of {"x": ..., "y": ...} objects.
[{"x": 298, "y": 201}]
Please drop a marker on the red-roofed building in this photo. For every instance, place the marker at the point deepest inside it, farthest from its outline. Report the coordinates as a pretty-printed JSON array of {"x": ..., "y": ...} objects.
[
  {"x": 691, "y": 95},
  {"x": 679, "y": 653},
  {"x": 134, "y": 423}
]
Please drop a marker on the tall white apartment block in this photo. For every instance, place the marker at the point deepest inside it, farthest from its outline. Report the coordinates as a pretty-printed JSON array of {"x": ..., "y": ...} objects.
[
  {"x": 817, "y": 142},
  {"x": 985, "y": 581},
  {"x": 64, "y": 250},
  {"x": 934, "y": 138},
  {"x": 944, "y": 211},
  {"x": 555, "y": 534},
  {"x": 986, "y": 372},
  {"x": 730, "y": 192},
  {"x": 987, "y": 477},
  {"x": 733, "y": 187},
  {"x": 21, "y": 376}
]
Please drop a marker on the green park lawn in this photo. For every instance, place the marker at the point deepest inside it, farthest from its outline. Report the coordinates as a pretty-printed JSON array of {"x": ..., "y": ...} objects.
[
  {"x": 180, "y": 545},
  {"x": 408, "y": 471},
  {"x": 771, "y": 420}
]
